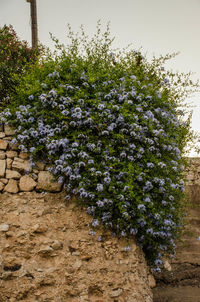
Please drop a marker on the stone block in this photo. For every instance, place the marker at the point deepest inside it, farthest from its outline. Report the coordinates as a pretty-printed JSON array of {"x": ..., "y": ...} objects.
[
  {"x": 27, "y": 183},
  {"x": 3, "y": 144},
  {"x": 4, "y": 181},
  {"x": 2, "y": 167},
  {"x": 12, "y": 174},
  {"x": 12, "y": 186},
  {"x": 2, "y": 135},
  {"x": 9, "y": 163},
  {"x": 11, "y": 154},
  {"x": 9, "y": 131},
  {"x": 23, "y": 155},
  {"x": 2, "y": 155},
  {"x": 46, "y": 182},
  {"x": 13, "y": 146},
  {"x": 21, "y": 165},
  {"x": 1, "y": 186}
]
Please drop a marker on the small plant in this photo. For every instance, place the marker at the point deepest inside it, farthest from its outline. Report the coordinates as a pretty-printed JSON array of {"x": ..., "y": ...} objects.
[
  {"x": 109, "y": 124},
  {"x": 15, "y": 55}
]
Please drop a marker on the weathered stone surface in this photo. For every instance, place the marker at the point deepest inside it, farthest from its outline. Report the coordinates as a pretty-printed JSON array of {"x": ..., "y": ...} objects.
[
  {"x": 2, "y": 167},
  {"x": 27, "y": 183},
  {"x": 152, "y": 281},
  {"x": 116, "y": 293},
  {"x": 39, "y": 228},
  {"x": 9, "y": 130},
  {"x": 9, "y": 163},
  {"x": 40, "y": 166},
  {"x": 4, "y": 181},
  {"x": 2, "y": 135},
  {"x": 23, "y": 155},
  {"x": 13, "y": 146},
  {"x": 12, "y": 174},
  {"x": 2, "y": 155},
  {"x": 46, "y": 182},
  {"x": 1, "y": 186},
  {"x": 46, "y": 263},
  {"x": 3, "y": 144},
  {"x": 11, "y": 154},
  {"x": 21, "y": 165},
  {"x": 11, "y": 187},
  {"x": 4, "y": 227}
]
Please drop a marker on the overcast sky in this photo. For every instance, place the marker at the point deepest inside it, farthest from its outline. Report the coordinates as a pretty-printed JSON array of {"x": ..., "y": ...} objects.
[{"x": 158, "y": 26}]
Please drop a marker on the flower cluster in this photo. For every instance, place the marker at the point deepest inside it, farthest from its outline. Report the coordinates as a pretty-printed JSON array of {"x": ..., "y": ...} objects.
[{"x": 112, "y": 137}]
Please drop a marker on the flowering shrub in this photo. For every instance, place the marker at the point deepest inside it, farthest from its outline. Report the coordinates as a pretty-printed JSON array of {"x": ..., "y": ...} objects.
[
  {"x": 14, "y": 56},
  {"x": 109, "y": 125}
]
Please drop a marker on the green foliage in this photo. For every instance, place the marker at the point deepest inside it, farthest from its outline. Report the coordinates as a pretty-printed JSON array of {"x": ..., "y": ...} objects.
[
  {"x": 110, "y": 125},
  {"x": 15, "y": 55}
]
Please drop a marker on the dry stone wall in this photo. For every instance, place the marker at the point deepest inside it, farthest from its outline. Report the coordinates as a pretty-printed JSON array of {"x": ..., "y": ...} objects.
[
  {"x": 16, "y": 173},
  {"x": 47, "y": 253}
]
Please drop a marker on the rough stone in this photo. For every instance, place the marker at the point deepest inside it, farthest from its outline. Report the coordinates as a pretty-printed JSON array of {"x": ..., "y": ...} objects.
[
  {"x": 9, "y": 131},
  {"x": 4, "y": 227},
  {"x": 40, "y": 166},
  {"x": 21, "y": 165},
  {"x": 2, "y": 135},
  {"x": 4, "y": 181},
  {"x": 116, "y": 293},
  {"x": 46, "y": 251},
  {"x": 2, "y": 155},
  {"x": 27, "y": 183},
  {"x": 3, "y": 144},
  {"x": 152, "y": 281},
  {"x": 1, "y": 186},
  {"x": 13, "y": 146},
  {"x": 12, "y": 174},
  {"x": 46, "y": 182},
  {"x": 2, "y": 167},
  {"x": 11, "y": 154},
  {"x": 11, "y": 187},
  {"x": 23, "y": 155},
  {"x": 9, "y": 163},
  {"x": 39, "y": 228}
]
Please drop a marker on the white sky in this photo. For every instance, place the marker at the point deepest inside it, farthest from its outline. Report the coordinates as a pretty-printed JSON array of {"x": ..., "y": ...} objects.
[{"x": 158, "y": 26}]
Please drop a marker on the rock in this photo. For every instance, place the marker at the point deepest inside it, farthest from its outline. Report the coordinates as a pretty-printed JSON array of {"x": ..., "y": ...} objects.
[
  {"x": 11, "y": 154},
  {"x": 2, "y": 167},
  {"x": 1, "y": 186},
  {"x": 40, "y": 228},
  {"x": 27, "y": 183},
  {"x": 13, "y": 146},
  {"x": 40, "y": 166},
  {"x": 4, "y": 227},
  {"x": 9, "y": 130},
  {"x": 3, "y": 144},
  {"x": 9, "y": 163},
  {"x": 12, "y": 174},
  {"x": 46, "y": 251},
  {"x": 46, "y": 182},
  {"x": 116, "y": 293},
  {"x": 2, "y": 135},
  {"x": 21, "y": 165},
  {"x": 2, "y": 155},
  {"x": 57, "y": 245},
  {"x": 77, "y": 264},
  {"x": 167, "y": 266},
  {"x": 23, "y": 155},
  {"x": 11, "y": 187},
  {"x": 152, "y": 282},
  {"x": 4, "y": 181}
]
